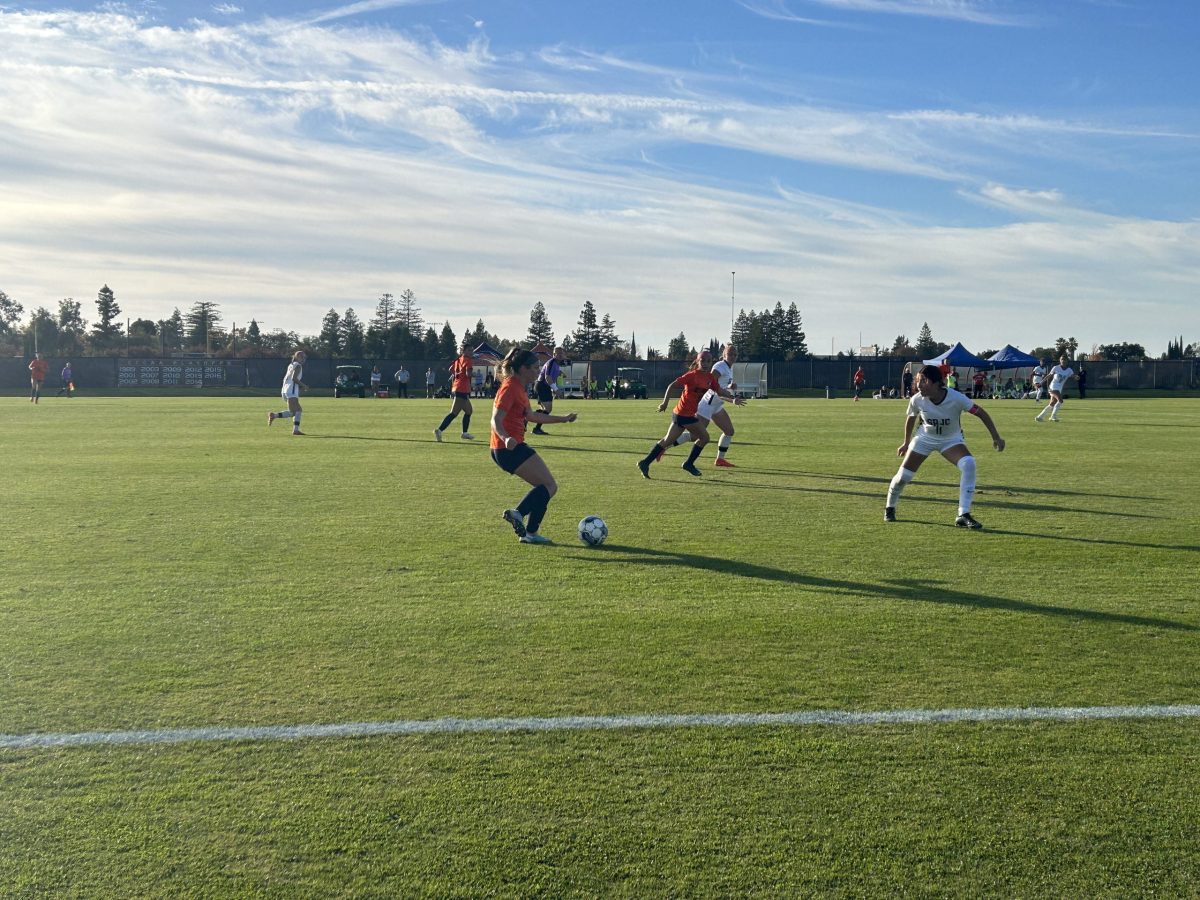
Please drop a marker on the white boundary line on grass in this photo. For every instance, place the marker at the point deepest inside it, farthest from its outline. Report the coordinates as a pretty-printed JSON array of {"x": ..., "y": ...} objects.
[{"x": 593, "y": 723}]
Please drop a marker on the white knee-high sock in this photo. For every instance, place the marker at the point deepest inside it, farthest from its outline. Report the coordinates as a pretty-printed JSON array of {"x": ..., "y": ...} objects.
[
  {"x": 966, "y": 484},
  {"x": 723, "y": 445},
  {"x": 1048, "y": 409},
  {"x": 899, "y": 480}
]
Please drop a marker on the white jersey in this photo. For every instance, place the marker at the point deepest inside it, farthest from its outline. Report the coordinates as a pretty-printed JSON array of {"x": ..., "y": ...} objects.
[
  {"x": 940, "y": 420},
  {"x": 1059, "y": 376},
  {"x": 1039, "y": 373},
  {"x": 291, "y": 378},
  {"x": 712, "y": 402}
]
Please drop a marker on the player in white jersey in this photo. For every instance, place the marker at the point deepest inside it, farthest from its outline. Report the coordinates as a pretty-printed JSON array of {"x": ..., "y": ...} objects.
[
  {"x": 939, "y": 410},
  {"x": 712, "y": 406},
  {"x": 1059, "y": 376},
  {"x": 292, "y": 385},
  {"x": 1039, "y": 380}
]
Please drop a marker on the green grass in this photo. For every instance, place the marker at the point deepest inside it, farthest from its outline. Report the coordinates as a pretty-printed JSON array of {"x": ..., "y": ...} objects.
[{"x": 173, "y": 562}]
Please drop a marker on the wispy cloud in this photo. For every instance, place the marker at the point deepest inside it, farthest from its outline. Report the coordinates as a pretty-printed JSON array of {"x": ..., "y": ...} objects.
[
  {"x": 285, "y": 168},
  {"x": 957, "y": 10}
]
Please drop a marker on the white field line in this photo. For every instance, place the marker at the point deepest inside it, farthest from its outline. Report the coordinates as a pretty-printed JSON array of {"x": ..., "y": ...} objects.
[{"x": 593, "y": 723}]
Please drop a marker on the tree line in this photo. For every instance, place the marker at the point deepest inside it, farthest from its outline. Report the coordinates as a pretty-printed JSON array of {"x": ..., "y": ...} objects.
[{"x": 397, "y": 330}]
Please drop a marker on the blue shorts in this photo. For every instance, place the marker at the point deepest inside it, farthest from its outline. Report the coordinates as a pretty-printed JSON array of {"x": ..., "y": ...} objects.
[{"x": 511, "y": 460}]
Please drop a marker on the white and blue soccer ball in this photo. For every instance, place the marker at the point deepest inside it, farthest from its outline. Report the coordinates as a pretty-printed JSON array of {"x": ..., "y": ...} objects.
[{"x": 592, "y": 531}]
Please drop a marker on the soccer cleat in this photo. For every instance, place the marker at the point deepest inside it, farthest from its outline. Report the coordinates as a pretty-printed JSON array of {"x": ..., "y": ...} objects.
[
  {"x": 437, "y": 433},
  {"x": 537, "y": 429},
  {"x": 1055, "y": 419},
  {"x": 644, "y": 467},
  {"x": 1038, "y": 419},
  {"x": 270, "y": 419},
  {"x": 691, "y": 469},
  {"x": 533, "y": 537},
  {"x": 965, "y": 521},
  {"x": 467, "y": 436},
  {"x": 723, "y": 463},
  {"x": 297, "y": 432},
  {"x": 516, "y": 520},
  {"x": 889, "y": 514}
]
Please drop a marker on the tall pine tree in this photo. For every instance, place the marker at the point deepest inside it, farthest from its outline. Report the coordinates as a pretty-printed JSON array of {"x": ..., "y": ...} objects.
[
  {"x": 107, "y": 330},
  {"x": 330, "y": 337},
  {"x": 540, "y": 329}
]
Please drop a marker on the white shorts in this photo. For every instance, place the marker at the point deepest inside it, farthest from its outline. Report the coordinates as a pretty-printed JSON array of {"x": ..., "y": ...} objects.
[
  {"x": 292, "y": 393},
  {"x": 710, "y": 404},
  {"x": 928, "y": 444}
]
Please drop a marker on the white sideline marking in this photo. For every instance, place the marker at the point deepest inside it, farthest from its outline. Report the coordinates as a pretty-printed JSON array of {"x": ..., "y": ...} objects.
[{"x": 596, "y": 723}]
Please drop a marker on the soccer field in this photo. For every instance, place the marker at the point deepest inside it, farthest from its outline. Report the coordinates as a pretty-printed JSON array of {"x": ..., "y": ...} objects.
[{"x": 176, "y": 564}]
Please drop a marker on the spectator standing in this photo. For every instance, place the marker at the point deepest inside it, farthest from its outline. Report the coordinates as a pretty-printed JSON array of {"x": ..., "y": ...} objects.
[
  {"x": 860, "y": 378},
  {"x": 1081, "y": 382},
  {"x": 402, "y": 381},
  {"x": 430, "y": 383},
  {"x": 68, "y": 381},
  {"x": 376, "y": 381},
  {"x": 906, "y": 380},
  {"x": 980, "y": 380},
  {"x": 37, "y": 376}
]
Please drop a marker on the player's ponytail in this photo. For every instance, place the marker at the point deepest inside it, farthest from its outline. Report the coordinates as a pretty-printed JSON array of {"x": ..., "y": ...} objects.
[{"x": 517, "y": 358}]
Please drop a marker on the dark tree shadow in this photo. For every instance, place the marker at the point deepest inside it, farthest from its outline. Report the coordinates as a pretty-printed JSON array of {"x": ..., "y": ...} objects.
[{"x": 911, "y": 589}]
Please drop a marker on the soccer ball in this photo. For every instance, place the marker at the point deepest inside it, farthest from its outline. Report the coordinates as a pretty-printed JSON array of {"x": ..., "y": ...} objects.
[{"x": 593, "y": 531}]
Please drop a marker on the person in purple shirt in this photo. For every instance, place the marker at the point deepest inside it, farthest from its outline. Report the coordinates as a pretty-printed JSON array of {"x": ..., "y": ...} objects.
[{"x": 546, "y": 385}]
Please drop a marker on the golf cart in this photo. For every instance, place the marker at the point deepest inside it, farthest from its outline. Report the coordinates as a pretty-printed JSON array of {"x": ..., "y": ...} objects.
[
  {"x": 630, "y": 384},
  {"x": 349, "y": 380}
]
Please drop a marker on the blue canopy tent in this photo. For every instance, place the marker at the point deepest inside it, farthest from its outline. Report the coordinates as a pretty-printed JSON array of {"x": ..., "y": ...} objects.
[
  {"x": 958, "y": 355},
  {"x": 1012, "y": 358},
  {"x": 488, "y": 355}
]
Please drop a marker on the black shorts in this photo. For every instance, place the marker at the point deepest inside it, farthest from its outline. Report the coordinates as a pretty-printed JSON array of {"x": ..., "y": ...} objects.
[
  {"x": 511, "y": 460},
  {"x": 544, "y": 392},
  {"x": 461, "y": 395},
  {"x": 684, "y": 421}
]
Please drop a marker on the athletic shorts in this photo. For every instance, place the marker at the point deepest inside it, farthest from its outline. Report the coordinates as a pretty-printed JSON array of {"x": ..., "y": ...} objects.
[
  {"x": 684, "y": 421},
  {"x": 545, "y": 394},
  {"x": 511, "y": 460},
  {"x": 928, "y": 444},
  {"x": 710, "y": 404},
  {"x": 292, "y": 393},
  {"x": 461, "y": 395}
]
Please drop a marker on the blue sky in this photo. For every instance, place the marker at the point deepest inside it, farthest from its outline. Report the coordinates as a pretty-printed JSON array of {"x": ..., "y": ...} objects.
[{"x": 1007, "y": 171}]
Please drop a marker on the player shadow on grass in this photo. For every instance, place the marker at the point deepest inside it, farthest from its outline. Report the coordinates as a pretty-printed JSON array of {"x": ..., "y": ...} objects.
[
  {"x": 1072, "y": 538},
  {"x": 912, "y": 589},
  {"x": 1011, "y": 489},
  {"x": 992, "y": 501}
]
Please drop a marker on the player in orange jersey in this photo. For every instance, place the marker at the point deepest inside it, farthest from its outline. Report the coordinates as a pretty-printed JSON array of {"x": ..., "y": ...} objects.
[
  {"x": 460, "y": 389},
  {"x": 37, "y": 376},
  {"x": 510, "y": 452},
  {"x": 694, "y": 383}
]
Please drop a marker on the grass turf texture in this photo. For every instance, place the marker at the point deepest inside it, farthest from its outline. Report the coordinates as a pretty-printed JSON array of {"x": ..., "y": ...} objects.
[{"x": 175, "y": 563}]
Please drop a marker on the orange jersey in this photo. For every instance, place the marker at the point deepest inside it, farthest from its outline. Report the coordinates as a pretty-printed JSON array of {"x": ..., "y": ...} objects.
[
  {"x": 461, "y": 370},
  {"x": 695, "y": 383},
  {"x": 514, "y": 400},
  {"x": 39, "y": 368}
]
